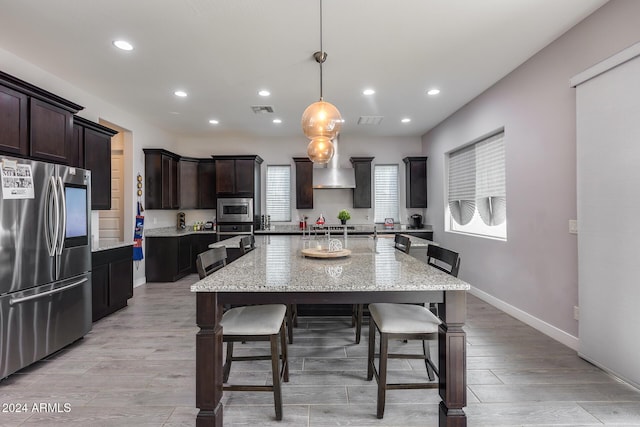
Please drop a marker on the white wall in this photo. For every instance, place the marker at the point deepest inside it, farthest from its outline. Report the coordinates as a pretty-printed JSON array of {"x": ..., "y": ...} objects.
[
  {"x": 142, "y": 133},
  {"x": 534, "y": 274}
]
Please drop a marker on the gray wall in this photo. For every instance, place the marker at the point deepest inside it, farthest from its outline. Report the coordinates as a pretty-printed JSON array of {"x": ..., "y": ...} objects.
[{"x": 534, "y": 275}]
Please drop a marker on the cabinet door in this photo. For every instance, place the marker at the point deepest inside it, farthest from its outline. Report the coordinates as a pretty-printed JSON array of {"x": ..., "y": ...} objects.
[
  {"x": 161, "y": 259},
  {"x": 97, "y": 150},
  {"x": 153, "y": 178},
  {"x": 51, "y": 129},
  {"x": 75, "y": 151},
  {"x": 304, "y": 183},
  {"x": 244, "y": 176},
  {"x": 121, "y": 282},
  {"x": 169, "y": 182},
  {"x": 13, "y": 122},
  {"x": 186, "y": 259},
  {"x": 416, "y": 181},
  {"x": 99, "y": 291},
  {"x": 362, "y": 192},
  {"x": 206, "y": 184},
  {"x": 225, "y": 176},
  {"x": 188, "y": 184}
]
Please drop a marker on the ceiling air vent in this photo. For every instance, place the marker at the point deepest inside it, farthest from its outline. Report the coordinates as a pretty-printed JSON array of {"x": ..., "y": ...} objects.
[
  {"x": 369, "y": 120},
  {"x": 262, "y": 109}
]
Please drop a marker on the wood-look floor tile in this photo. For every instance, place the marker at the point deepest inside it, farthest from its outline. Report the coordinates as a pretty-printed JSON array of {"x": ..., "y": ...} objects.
[
  {"x": 520, "y": 414},
  {"x": 136, "y": 367}
]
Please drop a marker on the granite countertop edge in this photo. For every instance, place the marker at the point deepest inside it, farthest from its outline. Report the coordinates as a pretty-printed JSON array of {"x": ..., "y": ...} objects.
[{"x": 105, "y": 246}]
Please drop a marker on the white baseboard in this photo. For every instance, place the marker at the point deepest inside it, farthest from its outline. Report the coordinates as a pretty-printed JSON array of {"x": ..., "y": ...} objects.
[
  {"x": 139, "y": 282},
  {"x": 542, "y": 326}
]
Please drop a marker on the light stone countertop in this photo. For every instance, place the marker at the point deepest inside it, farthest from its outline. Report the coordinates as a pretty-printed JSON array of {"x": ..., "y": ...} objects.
[
  {"x": 173, "y": 232},
  {"x": 105, "y": 245},
  {"x": 355, "y": 228},
  {"x": 276, "y": 265}
]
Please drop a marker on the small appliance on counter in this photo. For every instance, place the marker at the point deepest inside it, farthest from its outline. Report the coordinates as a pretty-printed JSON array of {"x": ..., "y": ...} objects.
[
  {"x": 416, "y": 221},
  {"x": 210, "y": 226},
  {"x": 181, "y": 223}
]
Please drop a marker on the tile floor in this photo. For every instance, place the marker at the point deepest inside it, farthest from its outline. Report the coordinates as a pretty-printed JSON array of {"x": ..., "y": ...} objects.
[{"x": 137, "y": 366}]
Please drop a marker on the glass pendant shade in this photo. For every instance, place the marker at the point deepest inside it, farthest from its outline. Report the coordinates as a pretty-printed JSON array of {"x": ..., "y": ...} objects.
[
  {"x": 320, "y": 150},
  {"x": 321, "y": 119}
]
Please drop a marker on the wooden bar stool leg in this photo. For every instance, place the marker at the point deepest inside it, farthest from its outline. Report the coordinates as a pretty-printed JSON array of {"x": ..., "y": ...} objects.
[
  {"x": 372, "y": 349},
  {"x": 290, "y": 322},
  {"x": 284, "y": 355},
  {"x": 382, "y": 373},
  {"x": 275, "y": 370},
  {"x": 359, "y": 316},
  {"x": 427, "y": 356},
  {"x": 227, "y": 364}
]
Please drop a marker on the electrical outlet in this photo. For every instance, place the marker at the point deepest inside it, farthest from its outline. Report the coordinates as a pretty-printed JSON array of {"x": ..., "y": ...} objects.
[
  {"x": 573, "y": 226},
  {"x": 576, "y": 312},
  {"x": 155, "y": 220}
]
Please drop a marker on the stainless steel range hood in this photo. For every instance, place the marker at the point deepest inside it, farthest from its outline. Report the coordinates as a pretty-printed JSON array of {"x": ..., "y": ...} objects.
[{"x": 333, "y": 176}]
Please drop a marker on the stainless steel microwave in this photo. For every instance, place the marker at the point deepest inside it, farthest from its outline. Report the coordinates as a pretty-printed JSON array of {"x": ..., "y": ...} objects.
[{"x": 235, "y": 209}]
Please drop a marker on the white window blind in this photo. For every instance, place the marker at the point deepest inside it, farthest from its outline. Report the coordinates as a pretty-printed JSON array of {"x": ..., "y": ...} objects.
[
  {"x": 386, "y": 199},
  {"x": 477, "y": 189},
  {"x": 279, "y": 192}
]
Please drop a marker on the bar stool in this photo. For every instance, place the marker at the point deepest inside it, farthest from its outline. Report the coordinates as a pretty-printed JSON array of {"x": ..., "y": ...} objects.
[
  {"x": 257, "y": 323},
  {"x": 402, "y": 243},
  {"x": 247, "y": 324},
  {"x": 407, "y": 322},
  {"x": 248, "y": 243}
]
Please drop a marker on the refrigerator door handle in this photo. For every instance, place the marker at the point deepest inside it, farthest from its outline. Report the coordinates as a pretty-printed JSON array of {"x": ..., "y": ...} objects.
[
  {"x": 51, "y": 204},
  {"x": 63, "y": 215},
  {"x": 14, "y": 301}
]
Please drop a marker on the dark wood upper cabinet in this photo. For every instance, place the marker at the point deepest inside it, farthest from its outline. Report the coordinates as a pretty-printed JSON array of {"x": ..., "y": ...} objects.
[
  {"x": 51, "y": 129},
  {"x": 362, "y": 192},
  {"x": 94, "y": 142},
  {"x": 238, "y": 175},
  {"x": 304, "y": 183},
  {"x": 416, "y": 181},
  {"x": 75, "y": 150},
  {"x": 207, "y": 184},
  {"x": 161, "y": 173},
  {"x": 188, "y": 183},
  {"x": 14, "y": 132},
  {"x": 34, "y": 123}
]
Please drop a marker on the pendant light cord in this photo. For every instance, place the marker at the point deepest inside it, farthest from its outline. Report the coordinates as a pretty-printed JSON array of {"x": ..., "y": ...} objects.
[{"x": 322, "y": 57}]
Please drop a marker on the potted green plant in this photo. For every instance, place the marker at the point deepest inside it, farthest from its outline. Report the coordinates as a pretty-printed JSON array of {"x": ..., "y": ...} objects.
[{"x": 343, "y": 216}]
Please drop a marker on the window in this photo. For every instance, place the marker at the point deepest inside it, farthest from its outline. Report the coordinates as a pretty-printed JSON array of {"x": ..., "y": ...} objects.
[
  {"x": 279, "y": 192},
  {"x": 386, "y": 199},
  {"x": 477, "y": 198}
]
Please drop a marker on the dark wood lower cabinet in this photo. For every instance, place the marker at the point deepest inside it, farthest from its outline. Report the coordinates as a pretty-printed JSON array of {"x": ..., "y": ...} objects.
[
  {"x": 171, "y": 258},
  {"x": 111, "y": 280}
]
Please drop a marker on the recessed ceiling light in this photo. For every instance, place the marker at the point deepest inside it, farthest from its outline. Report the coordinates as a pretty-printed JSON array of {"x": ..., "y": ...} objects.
[
  {"x": 214, "y": 121},
  {"x": 433, "y": 92},
  {"x": 123, "y": 44},
  {"x": 264, "y": 92},
  {"x": 277, "y": 121},
  {"x": 180, "y": 93},
  {"x": 405, "y": 120},
  {"x": 368, "y": 92}
]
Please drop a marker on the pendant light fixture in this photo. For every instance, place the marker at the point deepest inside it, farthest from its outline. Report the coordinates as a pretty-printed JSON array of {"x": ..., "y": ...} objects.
[{"x": 321, "y": 121}]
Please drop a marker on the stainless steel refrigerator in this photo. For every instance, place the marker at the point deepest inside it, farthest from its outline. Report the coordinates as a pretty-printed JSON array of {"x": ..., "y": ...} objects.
[{"x": 45, "y": 260}]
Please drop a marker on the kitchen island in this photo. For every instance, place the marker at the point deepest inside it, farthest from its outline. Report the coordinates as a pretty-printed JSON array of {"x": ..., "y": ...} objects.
[{"x": 276, "y": 272}]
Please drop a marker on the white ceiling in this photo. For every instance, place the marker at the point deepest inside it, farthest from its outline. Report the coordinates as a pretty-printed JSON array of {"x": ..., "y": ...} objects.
[{"x": 223, "y": 52}]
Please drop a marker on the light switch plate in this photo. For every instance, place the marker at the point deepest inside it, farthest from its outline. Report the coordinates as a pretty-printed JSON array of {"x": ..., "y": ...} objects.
[{"x": 573, "y": 226}]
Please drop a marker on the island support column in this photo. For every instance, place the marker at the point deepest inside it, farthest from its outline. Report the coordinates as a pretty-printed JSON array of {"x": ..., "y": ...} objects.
[
  {"x": 452, "y": 358},
  {"x": 208, "y": 360}
]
